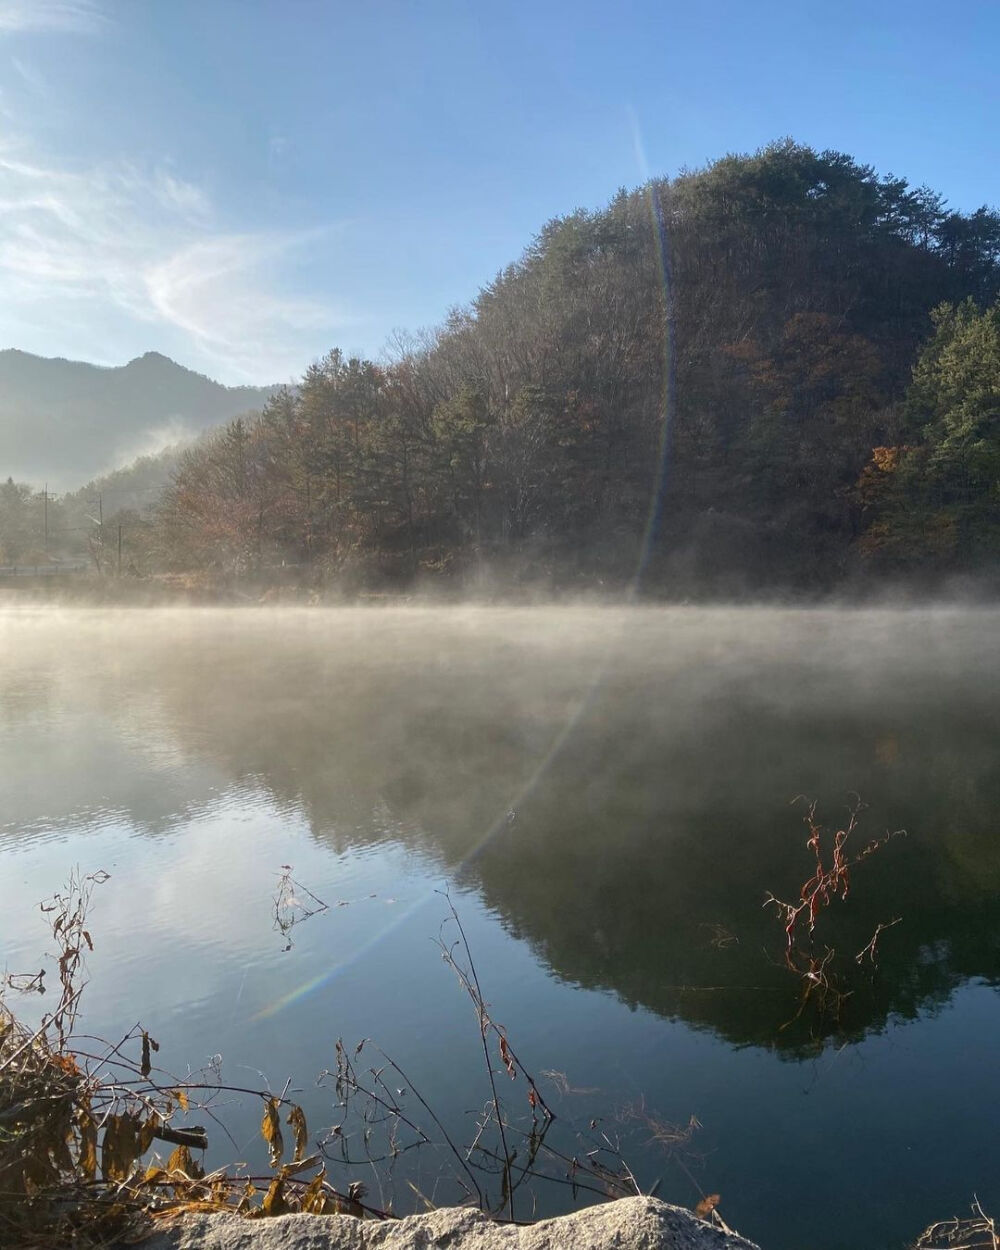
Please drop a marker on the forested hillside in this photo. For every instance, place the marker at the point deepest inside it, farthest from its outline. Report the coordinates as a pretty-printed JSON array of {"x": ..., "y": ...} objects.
[{"x": 781, "y": 371}]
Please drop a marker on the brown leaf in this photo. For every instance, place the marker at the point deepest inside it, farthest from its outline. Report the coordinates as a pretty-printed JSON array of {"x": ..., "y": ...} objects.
[
  {"x": 181, "y": 1161},
  {"x": 182, "y": 1099},
  {"x": 120, "y": 1147},
  {"x": 707, "y": 1205},
  {"x": 88, "y": 1147},
  {"x": 505, "y": 1055},
  {"x": 297, "y": 1119},
  {"x": 274, "y": 1200},
  {"x": 270, "y": 1128},
  {"x": 147, "y": 1045},
  {"x": 314, "y": 1199},
  {"x": 293, "y": 1169}
]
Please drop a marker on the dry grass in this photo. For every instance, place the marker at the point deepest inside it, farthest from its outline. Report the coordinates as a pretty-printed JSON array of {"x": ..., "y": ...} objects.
[
  {"x": 80, "y": 1117},
  {"x": 42, "y": 1132}
]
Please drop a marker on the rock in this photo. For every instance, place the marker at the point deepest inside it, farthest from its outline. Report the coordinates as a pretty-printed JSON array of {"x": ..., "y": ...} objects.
[{"x": 628, "y": 1224}]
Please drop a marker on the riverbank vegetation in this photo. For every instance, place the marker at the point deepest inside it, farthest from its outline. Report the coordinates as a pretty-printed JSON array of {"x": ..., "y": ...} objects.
[
  {"x": 778, "y": 371},
  {"x": 83, "y": 1121},
  {"x": 97, "y": 1138}
]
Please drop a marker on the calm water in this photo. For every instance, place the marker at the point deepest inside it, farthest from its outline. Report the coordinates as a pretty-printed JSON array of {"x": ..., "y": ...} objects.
[{"x": 606, "y": 794}]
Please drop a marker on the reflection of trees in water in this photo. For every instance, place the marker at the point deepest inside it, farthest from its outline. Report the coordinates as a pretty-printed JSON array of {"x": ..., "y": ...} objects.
[
  {"x": 664, "y": 819},
  {"x": 664, "y": 815},
  {"x": 627, "y": 885}
]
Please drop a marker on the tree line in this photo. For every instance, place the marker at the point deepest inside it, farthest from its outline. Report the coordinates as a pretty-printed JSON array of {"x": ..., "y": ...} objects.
[{"x": 780, "y": 370}]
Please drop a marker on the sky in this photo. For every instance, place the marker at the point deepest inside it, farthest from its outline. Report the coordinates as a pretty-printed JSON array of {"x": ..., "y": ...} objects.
[{"x": 244, "y": 184}]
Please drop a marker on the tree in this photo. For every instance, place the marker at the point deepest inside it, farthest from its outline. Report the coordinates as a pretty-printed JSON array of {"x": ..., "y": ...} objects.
[
  {"x": 220, "y": 509},
  {"x": 939, "y": 497},
  {"x": 21, "y": 523},
  {"x": 751, "y": 326}
]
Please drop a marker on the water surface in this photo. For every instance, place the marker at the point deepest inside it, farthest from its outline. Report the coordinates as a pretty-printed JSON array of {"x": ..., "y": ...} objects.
[{"x": 606, "y": 793}]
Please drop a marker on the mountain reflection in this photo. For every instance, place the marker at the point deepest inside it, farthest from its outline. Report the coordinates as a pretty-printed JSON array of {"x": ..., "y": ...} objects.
[{"x": 616, "y": 783}]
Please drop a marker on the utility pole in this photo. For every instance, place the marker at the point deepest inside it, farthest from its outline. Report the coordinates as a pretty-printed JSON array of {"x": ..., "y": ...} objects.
[
  {"x": 119, "y": 550},
  {"x": 46, "y": 509}
]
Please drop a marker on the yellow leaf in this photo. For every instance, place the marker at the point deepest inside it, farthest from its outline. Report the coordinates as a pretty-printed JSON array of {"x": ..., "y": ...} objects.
[
  {"x": 182, "y": 1099},
  {"x": 274, "y": 1200},
  {"x": 314, "y": 1197},
  {"x": 270, "y": 1128},
  {"x": 181, "y": 1161},
  {"x": 303, "y": 1165},
  {"x": 120, "y": 1147},
  {"x": 88, "y": 1147},
  {"x": 297, "y": 1119}
]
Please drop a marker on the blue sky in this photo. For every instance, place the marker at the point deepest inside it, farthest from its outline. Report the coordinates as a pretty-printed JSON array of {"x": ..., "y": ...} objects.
[{"x": 243, "y": 184}]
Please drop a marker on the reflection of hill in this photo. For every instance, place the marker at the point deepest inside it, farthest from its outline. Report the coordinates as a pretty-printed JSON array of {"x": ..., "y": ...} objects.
[
  {"x": 664, "y": 813},
  {"x": 622, "y": 871}
]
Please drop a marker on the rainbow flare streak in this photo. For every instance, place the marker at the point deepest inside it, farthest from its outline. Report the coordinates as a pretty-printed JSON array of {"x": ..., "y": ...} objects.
[{"x": 559, "y": 742}]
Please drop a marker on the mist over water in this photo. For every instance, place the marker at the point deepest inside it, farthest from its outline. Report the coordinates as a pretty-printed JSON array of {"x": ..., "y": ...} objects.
[{"x": 606, "y": 791}]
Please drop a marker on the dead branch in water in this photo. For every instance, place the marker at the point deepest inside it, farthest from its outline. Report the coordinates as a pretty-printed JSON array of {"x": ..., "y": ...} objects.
[
  {"x": 825, "y": 988},
  {"x": 975, "y": 1232}
]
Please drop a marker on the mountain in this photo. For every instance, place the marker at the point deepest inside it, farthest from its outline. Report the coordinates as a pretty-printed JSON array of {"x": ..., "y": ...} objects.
[{"x": 64, "y": 421}]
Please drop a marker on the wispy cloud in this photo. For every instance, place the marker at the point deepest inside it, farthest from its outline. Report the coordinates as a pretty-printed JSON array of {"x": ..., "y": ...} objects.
[
  {"x": 212, "y": 290},
  {"x": 73, "y": 16},
  {"x": 146, "y": 243}
]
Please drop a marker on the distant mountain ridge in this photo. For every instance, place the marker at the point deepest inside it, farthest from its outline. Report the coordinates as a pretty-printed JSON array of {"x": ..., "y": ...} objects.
[{"x": 66, "y": 421}]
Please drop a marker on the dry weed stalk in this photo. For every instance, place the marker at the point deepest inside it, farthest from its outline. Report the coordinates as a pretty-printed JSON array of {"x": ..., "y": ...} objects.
[
  {"x": 821, "y": 987},
  {"x": 79, "y": 1117},
  {"x": 382, "y": 1116},
  {"x": 79, "y": 1114}
]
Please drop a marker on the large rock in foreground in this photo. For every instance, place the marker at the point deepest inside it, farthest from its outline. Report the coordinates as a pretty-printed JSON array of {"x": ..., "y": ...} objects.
[{"x": 628, "y": 1224}]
